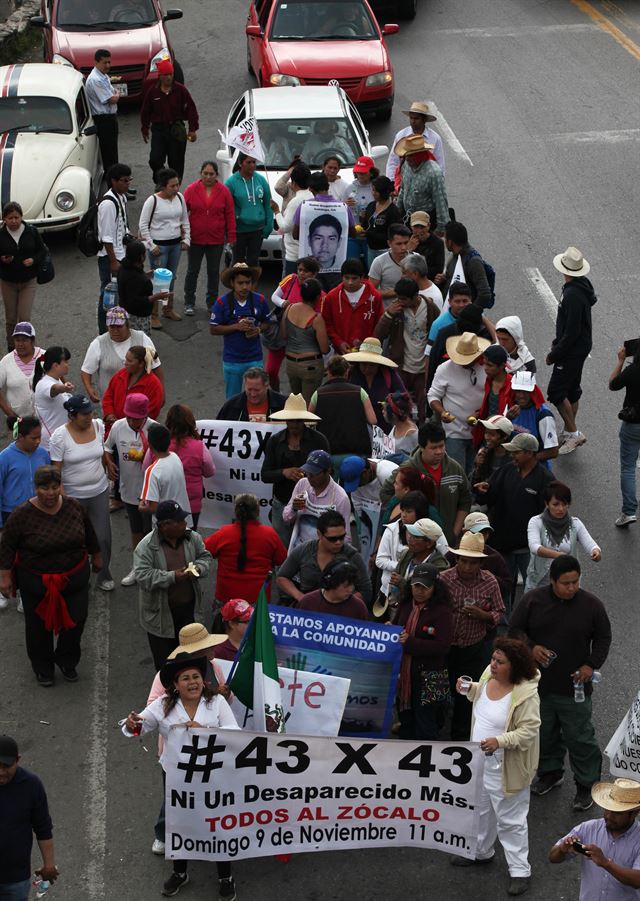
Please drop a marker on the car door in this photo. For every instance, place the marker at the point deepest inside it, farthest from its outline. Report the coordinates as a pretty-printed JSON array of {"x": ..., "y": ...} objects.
[
  {"x": 89, "y": 153},
  {"x": 47, "y": 33},
  {"x": 260, "y": 9}
]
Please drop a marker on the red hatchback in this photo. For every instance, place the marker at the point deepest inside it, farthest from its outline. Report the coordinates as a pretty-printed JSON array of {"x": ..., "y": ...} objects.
[
  {"x": 319, "y": 42},
  {"x": 133, "y": 30}
]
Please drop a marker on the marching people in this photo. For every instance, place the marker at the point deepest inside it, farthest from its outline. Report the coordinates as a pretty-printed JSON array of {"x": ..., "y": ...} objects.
[
  {"x": 528, "y": 411},
  {"x": 352, "y": 309},
  {"x": 135, "y": 289},
  {"x": 113, "y": 228},
  {"x": 306, "y": 342},
  {"x": 164, "y": 477},
  {"x": 628, "y": 378},
  {"x": 336, "y": 595},
  {"x": 256, "y": 402},
  {"x": 314, "y": 494},
  {"x": 419, "y": 115},
  {"x": 16, "y": 373},
  {"x": 379, "y": 215},
  {"x": 167, "y": 105},
  {"x": 235, "y": 616},
  {"x": 345, "y": 409},
  {"x": 51, "y": 390},
  {"x": 456, "y": 241},
  {"x": 424, "y": 244},
  {"x": 377, "y": 374},
  {"x": 423, "y": 185},
  {"x": 254, "y": 216},
  {"x": 22, "y": 251},
  {"x": 135, "y": 377},
  {"x": 194, "y": 455}
]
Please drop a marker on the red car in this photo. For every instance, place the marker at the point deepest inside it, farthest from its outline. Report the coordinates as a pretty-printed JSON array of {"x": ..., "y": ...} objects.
[
  {"x": 133, "y": 30},
  {"x": 319, "y": 42}
]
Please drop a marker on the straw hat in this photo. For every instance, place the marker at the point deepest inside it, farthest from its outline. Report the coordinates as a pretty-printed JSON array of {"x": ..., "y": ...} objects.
[
  {"x": 380, "y": 606},
  {"x": 571, "y": 262},
  {"x": 239, "y": 269},
  {"x": 466, "y": 348},
  {"x": 422, "y": 109},
  {"x": 471, "y": 545},
  {"x": 171, "y": 669},
  {"x": 412, "y": 144},
  {"x": 294, "y": 408},
  {"x": 194, "y": 638},
  {"x": 620, "y": 795},
  {"x": 370, "y": 351}
]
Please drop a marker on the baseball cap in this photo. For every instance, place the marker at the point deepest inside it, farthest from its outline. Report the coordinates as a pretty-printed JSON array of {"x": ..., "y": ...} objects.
[
  {"x": 497, "y": 424},
  {"x": 318, "y": 461},
  {"x": 351, "y": 469},
  {"x": 8, "y": 750},
  {"x": 78, "y": 403},
  {"x": 364, "y": 164},
  {"x": 523, "y": 381},
  {"x": 237, "y": 608},
  {"x": 164, "y": 67},
  {"x": 523, "y": 441},
  {"x": 420, "y": 218},
  {"x": 424, "y": 574},
  {"x": 170, "y": 510},
  {"x": 425, "y": 528},
  {"x": 477, "y": 522},
  {"x": 24, "y": 328}
]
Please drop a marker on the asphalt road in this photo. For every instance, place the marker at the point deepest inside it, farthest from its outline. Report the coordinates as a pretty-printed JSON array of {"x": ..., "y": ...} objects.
[{"x": 543, "y": 109}]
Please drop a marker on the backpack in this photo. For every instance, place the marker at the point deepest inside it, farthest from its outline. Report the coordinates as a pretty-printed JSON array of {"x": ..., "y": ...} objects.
[
  {"x": 87, "y": 239},
  {"x": 490, "y": 272}
]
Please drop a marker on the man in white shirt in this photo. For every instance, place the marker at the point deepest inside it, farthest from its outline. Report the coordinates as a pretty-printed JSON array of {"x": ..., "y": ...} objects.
[
  {"x": 418, "y": 115},
  {"x": 112, "y": 228},
  {"x": 414, "y": 266},
  {"x": 103, "y": 103},
  {"x": 300, "y": 186},
  {"x": 164, "y": 479},
  {"x": 386, "y": 269}
]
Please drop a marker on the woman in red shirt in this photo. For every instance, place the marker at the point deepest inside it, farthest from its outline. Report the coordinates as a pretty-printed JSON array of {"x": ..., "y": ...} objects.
[
  {"x": 134, "y": 377},
  {"x": 246, "y": 552},
  {"x": 213, "y": 222}
]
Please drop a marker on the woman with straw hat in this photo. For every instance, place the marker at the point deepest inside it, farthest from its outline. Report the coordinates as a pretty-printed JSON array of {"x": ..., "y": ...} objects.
[
  {"x": 284, "y": 455},
  {"x": 374, "y": 372}
]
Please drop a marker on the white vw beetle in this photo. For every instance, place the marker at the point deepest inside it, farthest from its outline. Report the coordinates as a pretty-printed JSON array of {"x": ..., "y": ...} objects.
[{"x": 49, "y": 155}]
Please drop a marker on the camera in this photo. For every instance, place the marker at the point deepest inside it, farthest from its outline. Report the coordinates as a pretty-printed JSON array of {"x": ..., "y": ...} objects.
[
  {"x": 579, "y": 848},
  {"x": 631, "y": 347}
]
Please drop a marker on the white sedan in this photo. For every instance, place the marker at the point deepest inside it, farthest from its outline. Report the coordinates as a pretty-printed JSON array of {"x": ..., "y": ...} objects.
[
  {"x": 49, "y": 155},
  {"x": 287, "y": 121}
]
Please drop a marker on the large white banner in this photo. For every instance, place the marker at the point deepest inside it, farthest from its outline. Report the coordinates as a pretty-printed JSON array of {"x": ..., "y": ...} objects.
[
  {"x": 623, "y": 749},
  {"x": 324, "y": 233},
  {"x": 313, "y": 702},
  {"x": 237, "y": 450},
  {"x": 240, "y": 794}
]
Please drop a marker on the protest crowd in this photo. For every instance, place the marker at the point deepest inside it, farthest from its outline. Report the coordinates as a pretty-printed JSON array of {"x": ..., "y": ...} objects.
[{"x": 409, "y": 439}]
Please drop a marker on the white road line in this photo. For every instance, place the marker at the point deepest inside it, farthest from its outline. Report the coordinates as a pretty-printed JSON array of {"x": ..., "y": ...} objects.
[
  {"x": 516, "y": 31},
  {"x": 545, "y": 293},
  {"x": 96, "y": 796},
  {"x": 614, "y": 136},
  {"x": 448, "y": 134}
]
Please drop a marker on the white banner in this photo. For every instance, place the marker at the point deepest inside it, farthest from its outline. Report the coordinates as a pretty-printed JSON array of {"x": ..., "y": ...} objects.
[
  {"x": 381, "y": 444},
  {"x": 240, "y": 794},
  {"x": 458, "y": 276},
  {"x": 237, "y": 450},
  {"x": 324, "y": 233},
  {"x": 246, "y": 138},
  {"x": 623, "y": 749},
  {"x": 313, "y": 702}
]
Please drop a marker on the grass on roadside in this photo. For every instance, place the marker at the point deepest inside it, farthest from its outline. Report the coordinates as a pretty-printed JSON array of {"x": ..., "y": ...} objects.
[{"x": 23, "y": 47}]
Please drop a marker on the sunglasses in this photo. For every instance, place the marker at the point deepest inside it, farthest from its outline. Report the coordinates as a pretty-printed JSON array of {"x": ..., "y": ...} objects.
[{"x": 335, "y": 537}]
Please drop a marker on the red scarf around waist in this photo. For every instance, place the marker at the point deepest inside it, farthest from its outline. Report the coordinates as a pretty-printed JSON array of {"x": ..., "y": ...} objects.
[{"x": 52, "y": 609}]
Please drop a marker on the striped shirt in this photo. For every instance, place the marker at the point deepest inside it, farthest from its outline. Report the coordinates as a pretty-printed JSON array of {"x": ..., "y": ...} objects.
[{"x": 485, "y": 593}]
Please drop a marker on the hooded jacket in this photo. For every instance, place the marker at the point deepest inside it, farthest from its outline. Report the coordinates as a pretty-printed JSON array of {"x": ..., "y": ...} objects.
[
  {"x": 523, "y": 358},
  {"x": 573, "y": 323},
  {"x": 346, "y": 325},
  {"x": 521, "y": 739}
]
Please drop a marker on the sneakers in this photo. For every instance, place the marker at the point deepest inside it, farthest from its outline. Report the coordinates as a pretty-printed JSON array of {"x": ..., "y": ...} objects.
[
  {"x": 625, "y": 519},
  {"x": 155, "y": 322},
  {"x": 226, "y": 889},
  {"x": 543, "y": 784},
  {"x": 518, "y": 885},
  {"x": 106, "y": 585},
  {"x": 170, "y": 313},
  {"x": 44, "y": 680},
  {"x": 583, "y": 799},
  {"x": 70, "y": 673},
  {"x": 157, "y": 847},
  {"x": 174, "y": 883},
  {"x": 20, "y": 608},
  {"x": 572, "y": 442},
  {"x": 189, "y": 311},
  {"x": 4, "y": 602},
  {"x": 456, "y": 861},
  {"x": 129, "y": 579}
]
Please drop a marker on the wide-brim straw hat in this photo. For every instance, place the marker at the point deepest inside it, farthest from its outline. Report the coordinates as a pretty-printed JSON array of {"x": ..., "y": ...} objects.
[
  {"x": 466, "y": 348},
  {"x": 571, "y": 262},
  {"x": 412, "y": 144},
  {"x": 295, "y": 407},
  {"x": 370, "y": 351},
  {"x": 253, "y": 272},
  {"x": 194, "y": 638},
  {"x": 620, "y": 795},
  {"x": 471, "y": 545},
  {"x": 422, "y": 109},
  {"x": 380, "y": 606}
]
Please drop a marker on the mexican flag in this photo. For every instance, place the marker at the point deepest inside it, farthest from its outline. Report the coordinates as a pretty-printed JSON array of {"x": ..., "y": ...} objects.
[{"x": 254, "y": 678}]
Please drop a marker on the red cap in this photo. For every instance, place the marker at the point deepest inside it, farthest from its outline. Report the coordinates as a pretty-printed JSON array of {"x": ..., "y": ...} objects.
[
  {"x": 364, "y": 164},
  {"x": 237, "y": 609},
  {"x": 164, "y": 67}
]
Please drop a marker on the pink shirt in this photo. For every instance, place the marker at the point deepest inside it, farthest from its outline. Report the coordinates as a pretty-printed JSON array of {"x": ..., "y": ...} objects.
[{"x": 197, "y": 464}]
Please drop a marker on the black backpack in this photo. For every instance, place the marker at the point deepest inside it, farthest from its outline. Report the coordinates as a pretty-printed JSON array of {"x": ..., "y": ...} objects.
[{"x": 87, "y": 239}]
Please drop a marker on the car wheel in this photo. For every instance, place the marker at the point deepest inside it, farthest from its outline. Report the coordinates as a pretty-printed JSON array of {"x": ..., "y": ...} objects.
[
  {"x": 178, "y": 74},
  {"x": 407, "y": 9},
  {"x": 383, "y": 115}
]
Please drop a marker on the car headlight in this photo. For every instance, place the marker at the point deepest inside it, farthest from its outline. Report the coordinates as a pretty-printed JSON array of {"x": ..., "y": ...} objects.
[
  {"x": 61, "y": 60},
  {"x": 379, "y": 78},
  {"x": 284, "y": 81},
  {"x": 65, "y": 201},
  {"x": 161, "y": 54}
]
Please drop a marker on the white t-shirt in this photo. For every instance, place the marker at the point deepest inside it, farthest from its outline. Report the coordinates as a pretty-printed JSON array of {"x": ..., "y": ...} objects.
[
  {"x": 83, "y": 474},
  {"x": 124, "y": 439},
  {"x": 415, "y": 338},
  {"x": 490, "y": 717},
  {"x": 354, "y": 296},
  {"x": 91, "y": 362},
  {"x": 164, "y": 481},
  {"x": 339, "y": 188},
  {"x": 50, "y": 410},
  {"x": 386, "y": 272},
  {"x": 435, "y": 294}
]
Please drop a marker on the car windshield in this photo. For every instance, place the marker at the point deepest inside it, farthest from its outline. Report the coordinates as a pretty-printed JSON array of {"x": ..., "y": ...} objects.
[
  {"x": 36, "y": 114},
  {"x": 110, "y": 15},
  {"x": 340, "y": 20},
  {"x": 311, "y": 139}
]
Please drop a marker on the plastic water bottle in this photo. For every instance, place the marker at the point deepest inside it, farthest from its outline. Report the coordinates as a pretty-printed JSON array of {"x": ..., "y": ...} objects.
[
  {"x": 493, "y": 761},
  {"x": 162, "y": 280},
  {"x": 596, "y": 677},
  {"x": 578, "y": 692},
  {"x": 41, "y": 885},
  {"x": 110, "y": 295}
]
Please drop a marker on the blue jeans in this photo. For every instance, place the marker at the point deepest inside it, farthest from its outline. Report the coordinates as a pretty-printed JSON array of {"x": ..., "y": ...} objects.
[
  {"x": 15, "y": 891},
  {"x": 462, "y": 451},
  {"x": 629, "y": 450},
  {"x": 168, "y": 258},
  {"x": 233, "y": 373}
]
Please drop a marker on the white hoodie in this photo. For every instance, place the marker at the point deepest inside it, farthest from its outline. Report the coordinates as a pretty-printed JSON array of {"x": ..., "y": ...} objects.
[{"x": 523, "y": 358}]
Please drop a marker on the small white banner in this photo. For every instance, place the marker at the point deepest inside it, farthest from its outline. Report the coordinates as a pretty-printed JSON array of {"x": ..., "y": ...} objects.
[{"x": 623, "y": 749}]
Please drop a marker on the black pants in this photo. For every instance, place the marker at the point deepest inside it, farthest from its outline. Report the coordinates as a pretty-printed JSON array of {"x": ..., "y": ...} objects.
[
  {"x": 162, "y": 647},
  {"x": 166, "y": 151},
  {"x": 247, "y": 248},
  {"x": 107, "y": 129},
  {"x": 463, "y": 662}
]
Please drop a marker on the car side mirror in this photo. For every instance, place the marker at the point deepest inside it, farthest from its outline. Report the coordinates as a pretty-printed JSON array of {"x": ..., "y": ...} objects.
[
  {"x": 379, "y": 151},
  {"x": 172, "y": 14},
  {"x": 390, "y": 29},
  {"x": 89, "y": 130},
  {"x": 39, "y": 22},
  {"x": 254, "y": 31},
  {"x": 223, "y": 156}
]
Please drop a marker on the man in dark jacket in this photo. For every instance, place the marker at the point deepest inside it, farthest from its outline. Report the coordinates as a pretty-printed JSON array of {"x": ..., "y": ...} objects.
[
  {"x": 572, "y": 343},
  {"x": 256, "y": 403},
  {"x": 165, "y": 108},
  {"x": 457, "y": 243}
]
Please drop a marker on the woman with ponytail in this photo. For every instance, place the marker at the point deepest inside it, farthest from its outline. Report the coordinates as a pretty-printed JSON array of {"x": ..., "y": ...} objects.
[
  {"x": 52, "y": 390},
  {"x": 246, "y": 552}
]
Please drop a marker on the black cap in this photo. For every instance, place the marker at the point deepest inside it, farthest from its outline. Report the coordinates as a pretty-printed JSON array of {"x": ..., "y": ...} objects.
[
  {"x": 170, "y": 510},
  {"x": 8, "y": 750},
  {"x": 425, "y": 574},
  {"x": 78, "y": 403}
]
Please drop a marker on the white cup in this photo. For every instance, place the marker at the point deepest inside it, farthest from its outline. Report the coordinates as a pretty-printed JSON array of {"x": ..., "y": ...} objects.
[{"x": 465, "y": 685}]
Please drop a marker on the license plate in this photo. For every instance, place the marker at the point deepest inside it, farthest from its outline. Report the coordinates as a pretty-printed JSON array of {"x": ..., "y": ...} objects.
[{"x": 121, "y": 88}]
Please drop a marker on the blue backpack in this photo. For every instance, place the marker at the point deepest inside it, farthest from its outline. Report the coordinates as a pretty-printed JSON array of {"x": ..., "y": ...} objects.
[{"x": 490, "y": 273}]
